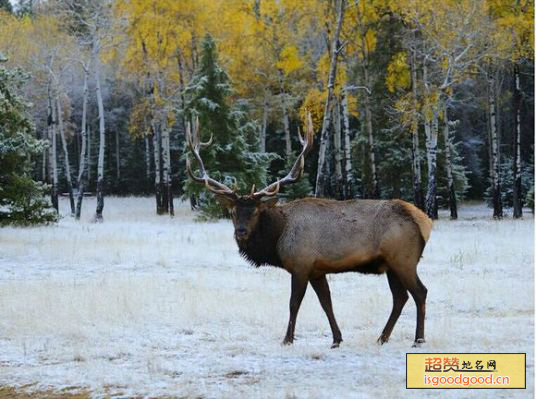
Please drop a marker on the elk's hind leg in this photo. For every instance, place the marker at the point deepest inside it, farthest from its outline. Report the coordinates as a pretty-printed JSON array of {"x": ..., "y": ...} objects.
[
  {"x": 419, "y": 295},
  {"x": 321, "y": 287},
  {"x": 418, "y": 291},
  {"x": 400, "y": 297},
  {"x": 299, "y": 286}
]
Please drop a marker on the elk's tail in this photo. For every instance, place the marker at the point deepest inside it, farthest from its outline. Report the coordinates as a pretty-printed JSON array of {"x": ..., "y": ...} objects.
[{"x": 420, "y": 218}]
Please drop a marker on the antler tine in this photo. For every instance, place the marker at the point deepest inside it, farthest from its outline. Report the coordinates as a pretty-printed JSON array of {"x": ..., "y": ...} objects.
[
  {"x": 269, "y": 191},
  {"x": 300, "y": 136},
  {"x": 199, "y": 143},
  {"x": 208, "y": 143},
  {"x": 194, "y": 143},
  {"x": 297, "y": 169}
]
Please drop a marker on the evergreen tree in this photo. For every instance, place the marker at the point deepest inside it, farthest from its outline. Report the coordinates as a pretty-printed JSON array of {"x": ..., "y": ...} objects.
[
  {"x": 22, "y": 200},
  {"x": 5, "y": 5},
  {"x": 230, "y": 158},
  {"x": 507, "y": 180},
  {"x": 25, "y": 7}
]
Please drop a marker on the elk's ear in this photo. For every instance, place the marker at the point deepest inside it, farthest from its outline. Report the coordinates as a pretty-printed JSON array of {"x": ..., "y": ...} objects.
[
  {"x": 269, "y": 203},
  {"x": 225, "y": 201}
]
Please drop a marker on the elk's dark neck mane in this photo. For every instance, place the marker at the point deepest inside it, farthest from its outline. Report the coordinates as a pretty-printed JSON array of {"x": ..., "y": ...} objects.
[{"x": 261, "y": 246}]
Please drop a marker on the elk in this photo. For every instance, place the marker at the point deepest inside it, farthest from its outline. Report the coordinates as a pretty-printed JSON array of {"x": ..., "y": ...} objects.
[{"x": 312, "y": 237}]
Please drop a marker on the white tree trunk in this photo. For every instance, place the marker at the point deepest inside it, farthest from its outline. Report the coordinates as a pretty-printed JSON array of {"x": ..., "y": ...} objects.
[
  {"x": 416, "y": 152},
  {"x": 167, "y": 165},
  {"x": 147, "y": 159},
  {"x": 431, "y": 130},
  {"x": 326, "y": 122},
  {"x": 84, "y": 150},
  {"x": 52, "y": 168},
  {"x": 494, "y": 147},
  {"x": 349, "y": 177},
  {"x": 102, "y": 138},
  {"x": 372, "y": 151},
  {"x": 337, "y": 149},
  {"x": 262, "y": 140},
  {"x": 517, "y": 199},
  {"x": 157, "y": 168},
  {"x": 67, "y": 166},
  {"x": 448, "y": 164},
  {"x": 286, "y": 125}
]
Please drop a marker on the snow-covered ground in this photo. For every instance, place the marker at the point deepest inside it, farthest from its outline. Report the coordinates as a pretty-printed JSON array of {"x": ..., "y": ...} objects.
[{"x": 158, "y": 306}]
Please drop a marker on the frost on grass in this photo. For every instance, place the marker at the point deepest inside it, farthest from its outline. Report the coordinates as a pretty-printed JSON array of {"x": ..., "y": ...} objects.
[{"x": 156, "y": 306}]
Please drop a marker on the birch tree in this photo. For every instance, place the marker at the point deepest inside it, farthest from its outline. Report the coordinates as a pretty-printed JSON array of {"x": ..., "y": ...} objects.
[
  {"x": 84, "y": 148},
  {"x": 52, "y": 154},
  {"x": 431, "y": 131},
  {"x": 448, "y": 163},
  {"x": 361, "y": 34},
  {"x": 516, "y": 164},
  {"x": 335, "y": 49},
  {"x": 418, "y": 195},
  {"x": 348, "y": 170},
  {"x": 102, "y": 132},
  {"x": 494, "y": 149},
  {"x": 515, "y": 20},
  {"x": 90, "y": 22},
  {"x": 337, "y": 149},
  {"x": 66, "y": 163},
  {"x": 454, "y": 39}
]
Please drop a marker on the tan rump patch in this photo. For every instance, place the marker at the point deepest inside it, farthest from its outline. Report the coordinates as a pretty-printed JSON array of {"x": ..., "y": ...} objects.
[{"x": 423, "y": 221}]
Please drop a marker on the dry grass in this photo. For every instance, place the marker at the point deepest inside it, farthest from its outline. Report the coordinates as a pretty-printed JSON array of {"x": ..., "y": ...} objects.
[{"x": 21, "y": 393}]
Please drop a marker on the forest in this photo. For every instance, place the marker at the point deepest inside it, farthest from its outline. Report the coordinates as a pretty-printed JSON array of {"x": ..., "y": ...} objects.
[{"x": 430, "y": 102}]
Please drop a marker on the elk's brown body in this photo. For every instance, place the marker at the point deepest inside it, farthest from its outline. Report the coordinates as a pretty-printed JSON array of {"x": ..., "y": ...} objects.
[
  {"x": 317, "y": 236},
  {"x": 313, "y": 237}
]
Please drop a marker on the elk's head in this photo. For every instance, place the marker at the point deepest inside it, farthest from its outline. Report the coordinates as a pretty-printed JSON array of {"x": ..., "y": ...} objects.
[{"x": 245, "y": 210}]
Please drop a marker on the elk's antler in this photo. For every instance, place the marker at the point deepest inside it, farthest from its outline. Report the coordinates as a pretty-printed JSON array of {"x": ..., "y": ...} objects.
[
  {"x": 195, "y": 144},
  {"x": 297, "y": 169}
]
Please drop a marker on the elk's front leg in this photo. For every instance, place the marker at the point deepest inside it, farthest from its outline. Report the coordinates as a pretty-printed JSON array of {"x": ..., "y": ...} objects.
[
  {"x": 299, "y": 286},
  {"x": 321, "y": 287}
]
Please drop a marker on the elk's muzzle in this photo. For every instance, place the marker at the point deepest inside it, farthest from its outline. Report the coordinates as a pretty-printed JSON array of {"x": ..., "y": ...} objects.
[{"x": 241, "y": 233}]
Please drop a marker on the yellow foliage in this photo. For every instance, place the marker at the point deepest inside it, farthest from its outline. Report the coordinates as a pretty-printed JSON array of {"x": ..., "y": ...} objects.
[
  {"x": 259, "y": 47},
  {"x": 515, "y": 20},
  {"x": 430, "y": 104},
  {"x": 314, "y": 103},
  {"x": 370, "y": 40},
  {"x": 404, "y": 107},
  {"x": 289, "y": 60},
  {"x": 353, "y": 105},
  {"x": 359, "y": 23},
  {"x": 36, "y": 44},
  {"x": 137, "y": 125},
  {"x": 398, "y": 74}
]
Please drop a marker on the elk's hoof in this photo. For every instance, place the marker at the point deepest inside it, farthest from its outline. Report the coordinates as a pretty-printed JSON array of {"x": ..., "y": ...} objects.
[
  {"x": 382, "y": 340},
  {"x": 418, "y": 343},
  {"x": 336, "y": 342},
  {"x": 287, "y": 341}
]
